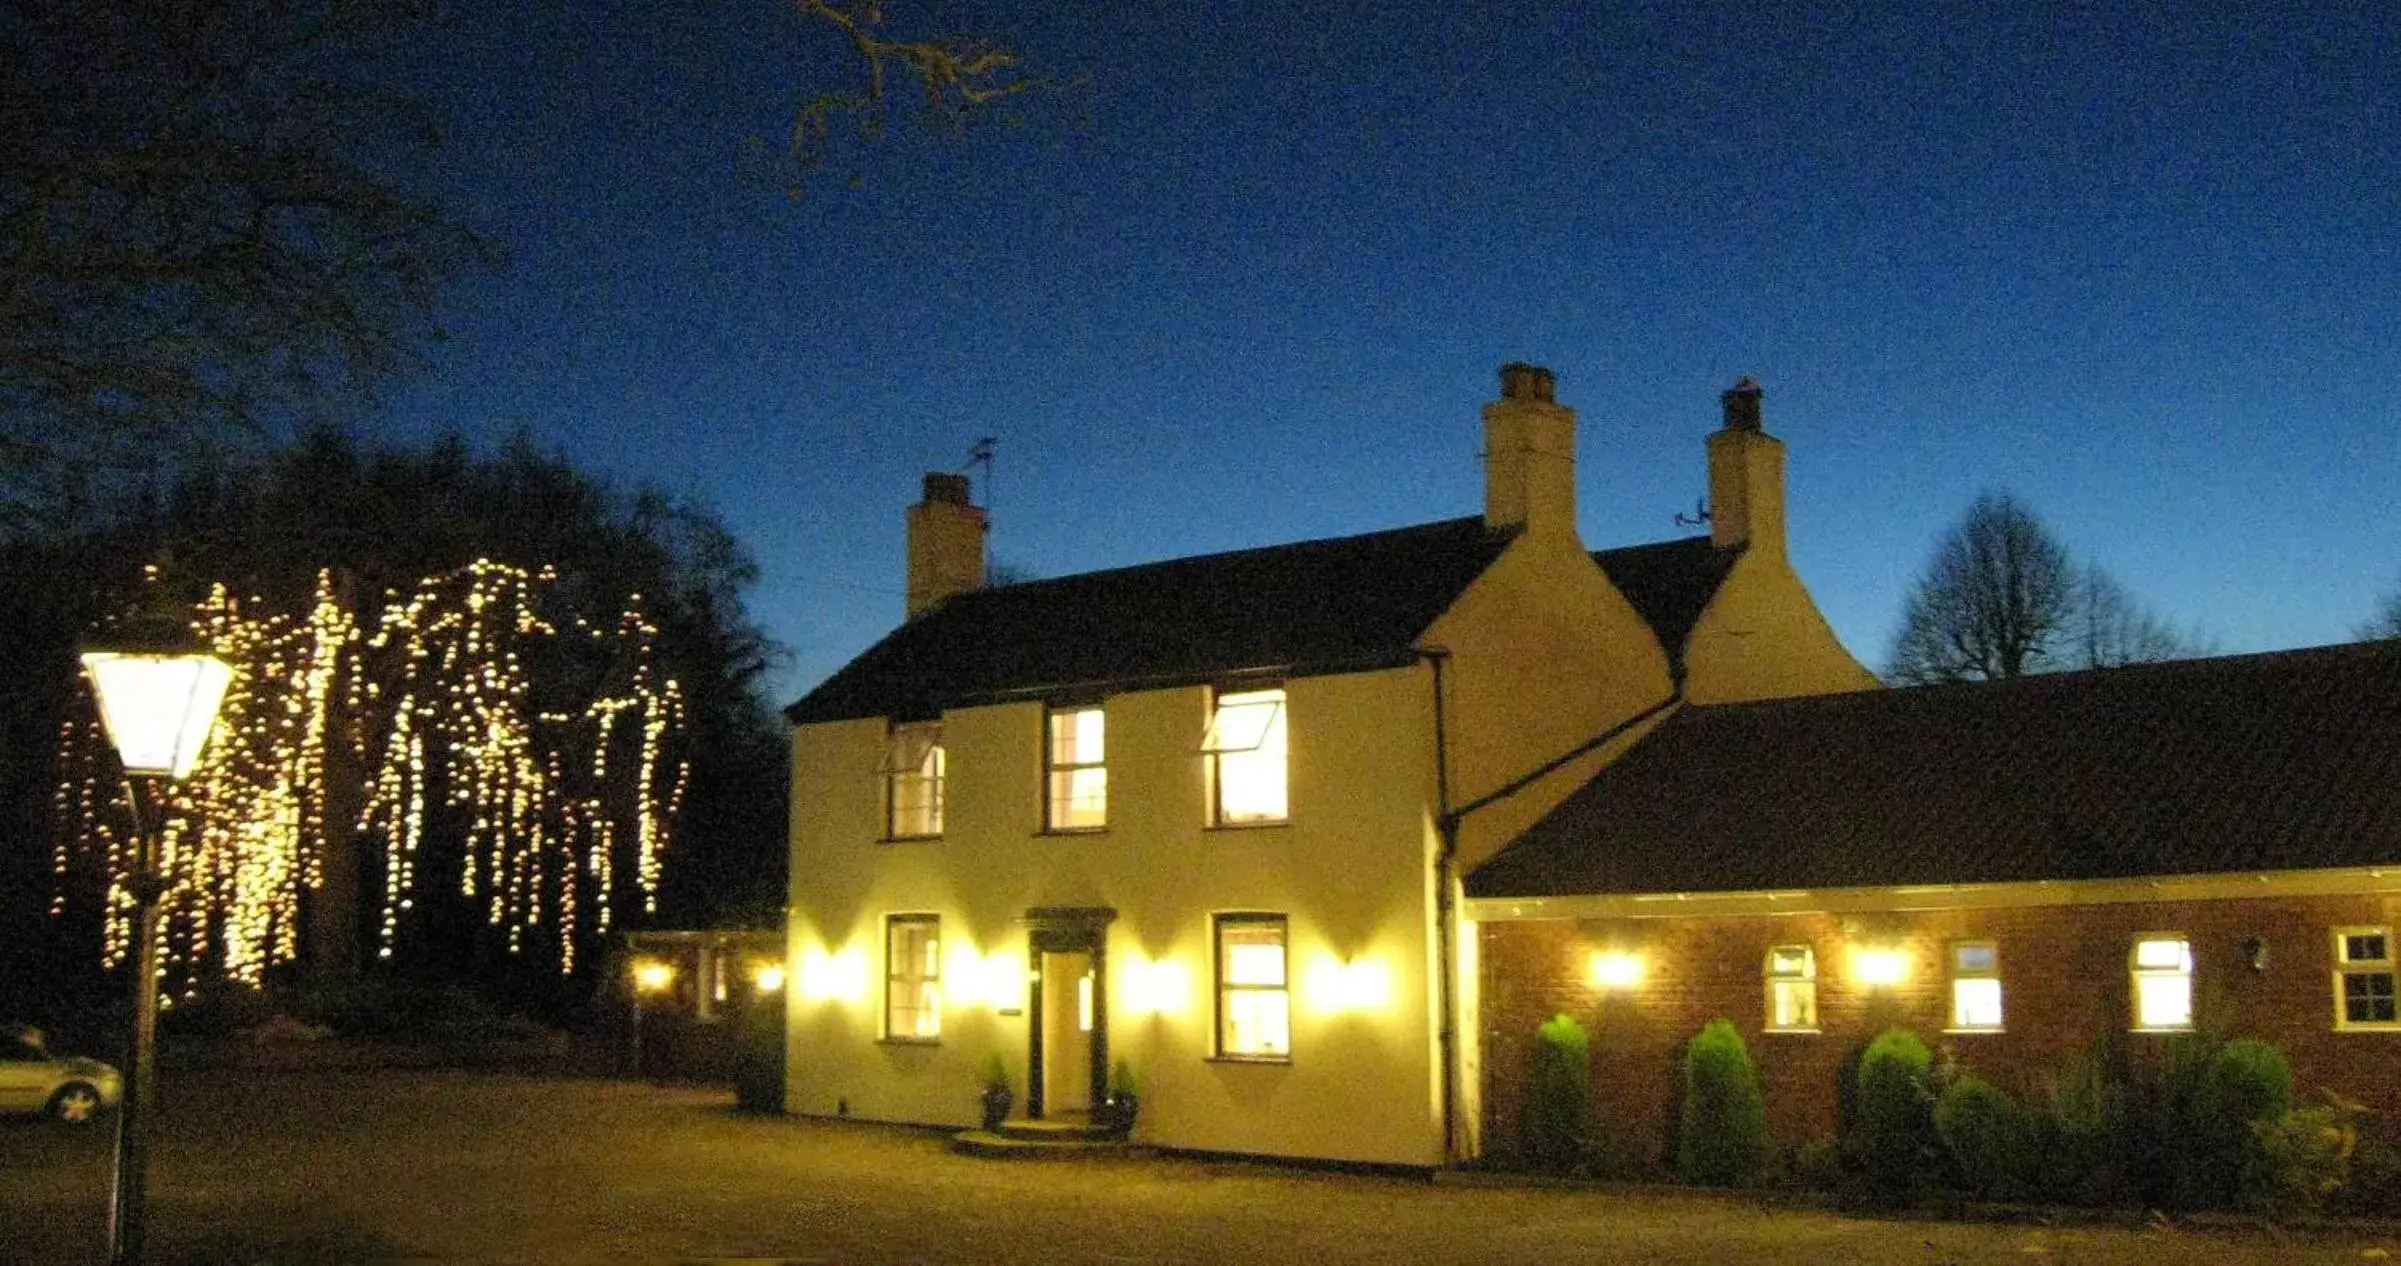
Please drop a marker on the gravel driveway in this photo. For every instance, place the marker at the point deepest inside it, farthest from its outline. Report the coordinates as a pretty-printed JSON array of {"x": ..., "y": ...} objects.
[{"x": 361, "y": 1167}]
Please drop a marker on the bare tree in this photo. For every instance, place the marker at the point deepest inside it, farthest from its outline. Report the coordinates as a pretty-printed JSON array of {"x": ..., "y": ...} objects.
[
  {"x": 2001, "y": 598},
  {"x": 958, "y": 77},
  {"x": 201, "y": 236},
  {"x": 2387, "y": 620}
]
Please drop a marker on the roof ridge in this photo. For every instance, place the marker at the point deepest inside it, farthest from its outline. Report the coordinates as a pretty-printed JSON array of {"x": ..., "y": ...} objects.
[{"x": 1224, "y": 555}]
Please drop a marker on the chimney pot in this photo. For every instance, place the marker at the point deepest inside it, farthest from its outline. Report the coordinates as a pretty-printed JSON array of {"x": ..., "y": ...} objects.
[
  {"x": 1742, "y": 405},
  {"x": 1520, "y": 381},
  {"x": 942, "y": 488}
]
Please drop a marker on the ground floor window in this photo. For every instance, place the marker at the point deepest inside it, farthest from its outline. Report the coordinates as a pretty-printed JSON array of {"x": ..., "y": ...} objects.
[
  {"x": 1254, "y": 994},
  {"x": 2162, "y": 965},
  {"x": 913, "y": 978},
  {"x": 2363, "y": 979},
  {"x": 1791, "y": 989},
  {"x": 1975, "y": 987}
]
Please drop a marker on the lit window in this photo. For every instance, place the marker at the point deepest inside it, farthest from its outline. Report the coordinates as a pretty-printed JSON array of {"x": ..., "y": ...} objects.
[
  {"x": 913, "y": 977},
  {"x": 1791, "y": 989},
  {"x": 2363, "y": 979},
  {"x": 1077, "y": 777},
  {"x": 913, "y": 781},
  {"x": 2163, "y": 983},
  {"x": 1975, "y": 987},
  {"x": 1254, "y": 994},
  {"x": 1245, "y": 751}
]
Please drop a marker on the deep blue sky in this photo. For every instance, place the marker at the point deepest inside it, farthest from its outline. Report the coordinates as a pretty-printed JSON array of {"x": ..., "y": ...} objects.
[{"x": 1249, "y": 277}]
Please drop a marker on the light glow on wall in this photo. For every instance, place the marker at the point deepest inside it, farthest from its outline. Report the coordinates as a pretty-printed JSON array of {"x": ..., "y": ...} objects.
[
  {"x": 833, "y": 977},
  {"x": 1880, "y": 967},
  {"x": 768, "y": 977},
  {"x": 1161, "y": 987},
  {"x": 653, "y": 976},
  {"x": 1616, "y": 969},
  {"x": 1361, "y": 984}
]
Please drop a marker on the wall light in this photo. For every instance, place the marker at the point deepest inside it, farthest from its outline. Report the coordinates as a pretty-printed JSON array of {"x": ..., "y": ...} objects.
[
  {"x": 768, "y": 977},
  {"x": 1616, "y": 969},
  {"x": 1160, "y": 987},
  {"x": 1354, "y": 985},
  {"x": 1880, "y": 967},
  {"x": 833, "y": 977},
  {"x": 653, "y": 976}
]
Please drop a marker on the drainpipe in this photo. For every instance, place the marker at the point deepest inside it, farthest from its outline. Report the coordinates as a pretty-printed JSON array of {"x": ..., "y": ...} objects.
[{"x": 1446, "y": 856}]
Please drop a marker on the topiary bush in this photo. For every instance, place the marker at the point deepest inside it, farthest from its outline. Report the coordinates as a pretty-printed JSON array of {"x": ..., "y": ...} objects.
[
  {"x": 1558, "y": 1093},
  {"x": 1722, "y": 1138},
  {"x": 2203, "y": 1107},
  {"x": 1989, "y": 1137},
  {"x": 1892, "y": 1145}
]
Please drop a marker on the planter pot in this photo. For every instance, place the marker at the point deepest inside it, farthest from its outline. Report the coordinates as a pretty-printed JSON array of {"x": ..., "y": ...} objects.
[{"x": 997, "y": 1102}]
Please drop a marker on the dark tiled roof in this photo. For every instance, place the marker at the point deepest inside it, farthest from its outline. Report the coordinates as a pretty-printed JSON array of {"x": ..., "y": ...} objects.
[
  {"x": 1668, "y": 582},
  {"x": 1316, "y": 605},
  {"x": 2282, "y": 761}
]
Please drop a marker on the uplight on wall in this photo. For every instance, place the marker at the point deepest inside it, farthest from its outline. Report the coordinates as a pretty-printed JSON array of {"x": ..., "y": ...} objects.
[
  {"x": 1616, "y": 969},
  {"x": 1358, "y": 984},
  {"x": 1880, "y": 967},
  {"x": 767, "y": 977},
  {"x": 653, "y": 976},
  {"x": 833, "y": 976},
  {"x": 1160, "y": 987}
]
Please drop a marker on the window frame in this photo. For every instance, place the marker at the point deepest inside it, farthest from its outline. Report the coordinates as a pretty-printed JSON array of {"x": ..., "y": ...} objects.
[
  {"x": 1770, "y": 979},
  {"x": 1053, "y": 771},
  {"x": 931, "y": 772},
  {"x": 1958, "y": 973},
  {"x": 931, "y": 978},
  {"x": 1213, "y": 752},
  {"x": 1225, "y": 987},
  {"x": 2137, "y": 973},
  {"x": 2346, "y": 967}
]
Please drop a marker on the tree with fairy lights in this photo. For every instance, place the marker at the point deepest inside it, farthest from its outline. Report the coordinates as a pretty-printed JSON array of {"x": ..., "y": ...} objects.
[{"x": 548, "y": 749}]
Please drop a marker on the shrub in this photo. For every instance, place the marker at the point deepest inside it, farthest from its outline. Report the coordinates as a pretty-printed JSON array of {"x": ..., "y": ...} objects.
[
  {"x": 1892, "y": 1145},
  {"x": 2079, "y": 1127},
  {"x": 1990, "y": 1138},
  {"x": 2298, "y": 1160},
  {"x": 1722, "y": 1138},
  {"x": 1557, "y": 1092},
  {"x": 2209, "y": 1097}
]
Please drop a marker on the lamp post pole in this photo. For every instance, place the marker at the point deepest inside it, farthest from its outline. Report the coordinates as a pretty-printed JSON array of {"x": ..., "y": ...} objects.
[
  {"x": 158, "y": 692},
  {"x": 131, "y": 1186}
]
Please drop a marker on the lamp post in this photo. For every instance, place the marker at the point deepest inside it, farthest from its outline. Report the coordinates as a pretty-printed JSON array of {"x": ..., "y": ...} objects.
[{"x": 158, "y": 687}]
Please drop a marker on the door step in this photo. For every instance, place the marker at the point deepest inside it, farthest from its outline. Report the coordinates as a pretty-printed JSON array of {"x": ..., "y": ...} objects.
[{"x": 1048, "y": 1137}]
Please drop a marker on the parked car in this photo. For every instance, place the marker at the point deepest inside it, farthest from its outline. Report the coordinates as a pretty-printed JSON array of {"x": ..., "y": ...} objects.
[{"x": 68, "y": 1087}]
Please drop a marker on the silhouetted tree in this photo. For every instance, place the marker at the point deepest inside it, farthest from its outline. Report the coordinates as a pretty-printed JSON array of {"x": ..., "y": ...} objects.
[
  {"x": 2387, "y": 620},
  {"x": 202, "y": 238},
  {"x": 958, "y": 77},
  {"x": 2001, "y": 598}
]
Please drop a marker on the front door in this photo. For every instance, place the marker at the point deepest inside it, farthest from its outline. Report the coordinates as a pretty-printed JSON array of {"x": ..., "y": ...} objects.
[
  {"x": 1068, "y": 1032},
  {"x": 1067, "y": 985}
]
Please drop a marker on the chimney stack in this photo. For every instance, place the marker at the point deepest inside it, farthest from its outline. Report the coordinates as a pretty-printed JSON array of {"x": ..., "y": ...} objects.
[
  {"x": 1529, "y": 455},
  {"x": 946, "y": 543},
  {"x": 1746, "y": 476}
]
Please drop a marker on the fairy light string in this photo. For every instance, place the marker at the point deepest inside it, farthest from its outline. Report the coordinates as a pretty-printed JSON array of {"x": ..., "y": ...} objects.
[{"x": 429, "y": 713}]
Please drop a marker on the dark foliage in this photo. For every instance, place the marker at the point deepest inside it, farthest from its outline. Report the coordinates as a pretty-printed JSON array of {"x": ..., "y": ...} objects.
[
  {"x": 1722, "y": 1137},
  {"x": 205, "y": 231},
  {"x": 1891, "y": 1143},
  {"x": 1558, "y": 1095}
]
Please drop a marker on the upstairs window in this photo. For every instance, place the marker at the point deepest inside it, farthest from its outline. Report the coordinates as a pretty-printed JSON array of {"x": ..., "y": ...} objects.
[
  {"x": 1791, "y": 974},
  {"x": 1245, "y": 751},
  {"x": 1075, "y": 771},
  {"x": 2363, "y": 979},
  {"x": 913, "y": 977},
  {"x": 913, "y": 781},
  {"x": 1254, "y": 991},
  {"x": 2162, "y": 968},
  {"x": 1975, "y": 987}
]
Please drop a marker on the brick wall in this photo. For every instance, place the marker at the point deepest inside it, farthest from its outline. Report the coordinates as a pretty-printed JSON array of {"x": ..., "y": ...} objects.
[{"x": 2065, "y": 987}]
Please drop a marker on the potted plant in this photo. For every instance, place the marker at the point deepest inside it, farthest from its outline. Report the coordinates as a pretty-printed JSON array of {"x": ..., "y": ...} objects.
[
  {"x": 1124, "y": 1101},
  {"x": 997, "y": 1097}
]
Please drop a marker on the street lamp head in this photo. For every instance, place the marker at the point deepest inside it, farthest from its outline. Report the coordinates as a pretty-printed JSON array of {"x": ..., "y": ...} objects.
[{"x": 159, "y": 687}]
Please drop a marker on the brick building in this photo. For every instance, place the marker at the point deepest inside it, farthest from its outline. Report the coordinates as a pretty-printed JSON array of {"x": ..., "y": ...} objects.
[{"x": 2017, "y": 870}]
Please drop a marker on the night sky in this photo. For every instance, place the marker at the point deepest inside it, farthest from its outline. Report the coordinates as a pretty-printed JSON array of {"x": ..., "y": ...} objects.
[{"x": 1246, "y": 277}]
